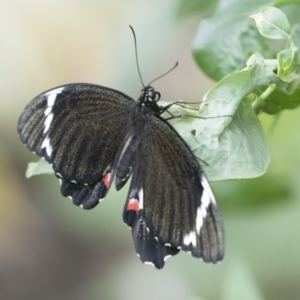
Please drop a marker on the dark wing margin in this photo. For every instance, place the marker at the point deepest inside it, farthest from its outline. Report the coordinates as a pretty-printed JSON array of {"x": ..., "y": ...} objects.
[
  {"x": 87, "y": 196},
  {"x": 148, "y": 248},
  {"x": 78, "y": 128},
  {"x": 179, "y": 207}
]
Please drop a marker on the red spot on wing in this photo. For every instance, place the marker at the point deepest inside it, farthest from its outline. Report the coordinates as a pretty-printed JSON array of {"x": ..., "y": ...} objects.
[
  {"x": 133, "y": 204},
  {"x": 106, "y": 180}
]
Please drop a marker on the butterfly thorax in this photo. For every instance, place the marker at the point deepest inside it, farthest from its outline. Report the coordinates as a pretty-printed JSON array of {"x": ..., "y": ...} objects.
[{"x": 149, "y": 98}]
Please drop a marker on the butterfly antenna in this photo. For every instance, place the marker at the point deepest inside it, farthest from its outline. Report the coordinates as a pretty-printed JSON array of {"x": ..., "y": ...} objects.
[
  {"x": 136, "y": 55},
  {"x": 164, "y": 73}
]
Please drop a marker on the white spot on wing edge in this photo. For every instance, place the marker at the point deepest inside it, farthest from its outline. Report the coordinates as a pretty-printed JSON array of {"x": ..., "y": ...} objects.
[
  {"x": 46, "y": 144},
  {"x": 48, "y": 111},
  {"x": 207, "y": 195},
  {"x": 199, "y": 219},
  {"x": 190, "y": 238},
  {"x": 166, "y": 257},
  {"x": 206, "y": 198},
  {"x": 141, "y": 199},
  {"x": 52, "y": 95},
  {"x": 51, "y": 99},
  {"x": 149, "y": 263},
  {"x": 203, "y": 211},
  {"x": 48, "y": 122}
]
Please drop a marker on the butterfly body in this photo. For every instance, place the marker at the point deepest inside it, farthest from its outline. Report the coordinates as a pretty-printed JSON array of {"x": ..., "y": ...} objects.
[{"x": 93, "y": 135}]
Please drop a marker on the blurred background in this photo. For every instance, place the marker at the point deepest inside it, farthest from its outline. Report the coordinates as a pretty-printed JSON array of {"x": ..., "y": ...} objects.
[{"x": 50, "y": 249}]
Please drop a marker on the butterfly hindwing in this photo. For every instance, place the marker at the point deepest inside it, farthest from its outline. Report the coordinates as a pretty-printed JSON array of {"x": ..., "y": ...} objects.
[
  {"x": 179, "y": 206},
  {"x": 87, "y": 196},
  {"x": 148, "y": 248}
]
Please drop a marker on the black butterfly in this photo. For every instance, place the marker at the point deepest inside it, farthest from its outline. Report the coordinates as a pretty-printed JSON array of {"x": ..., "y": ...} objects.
[{"x": 93, "y": 135}]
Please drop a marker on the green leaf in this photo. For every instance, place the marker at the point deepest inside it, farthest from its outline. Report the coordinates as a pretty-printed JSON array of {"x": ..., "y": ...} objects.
[
  {"x": 239, "y": 283},
  {"x": 288, "y": 63},
  {"x": 280, "y": 100},
  {"x": 187, "y": 8},
  {"x": 273, "y": 23},
  {"x": 293, "y": 13},
  {"x": 39, "y": 167},
  {"x": 230, "y": 140},
  {"x": 225, "y": 40},
  {"x": 270, "y": 190}
]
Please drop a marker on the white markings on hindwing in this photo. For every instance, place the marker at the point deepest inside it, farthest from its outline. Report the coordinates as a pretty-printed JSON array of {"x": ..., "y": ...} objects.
[
  {"x": 166, "y": 257},
  {"x": 207, "y": 198},
  {"x": 199, "y": 220},
  {"x": 190, "y": 238},
  {"x": 207, "y": 192},
  {"x": 141, "y": 198}
]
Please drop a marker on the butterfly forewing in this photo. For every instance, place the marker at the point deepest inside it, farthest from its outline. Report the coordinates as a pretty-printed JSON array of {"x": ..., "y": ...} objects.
[
  {"x": 78, "y": 128},
  {"x": 179, "y": 206}
]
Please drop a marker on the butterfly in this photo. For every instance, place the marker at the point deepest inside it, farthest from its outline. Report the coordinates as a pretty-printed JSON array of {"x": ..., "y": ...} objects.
[{"x": 94, "y": 136}]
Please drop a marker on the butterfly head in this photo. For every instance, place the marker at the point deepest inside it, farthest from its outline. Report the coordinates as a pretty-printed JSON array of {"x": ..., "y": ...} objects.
[{"x": 148, "y": 96}]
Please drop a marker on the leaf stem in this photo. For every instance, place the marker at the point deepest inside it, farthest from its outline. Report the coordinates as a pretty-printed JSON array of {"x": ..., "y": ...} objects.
[
  {"x": 264, "y": 96},
  {"x": 292, "y": 44}
]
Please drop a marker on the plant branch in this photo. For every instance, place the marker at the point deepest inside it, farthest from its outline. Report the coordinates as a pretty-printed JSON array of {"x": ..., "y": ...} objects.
[{"x": 264, "y": 96}]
